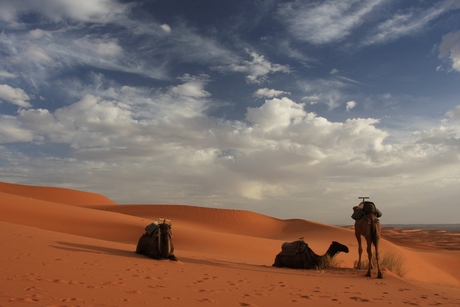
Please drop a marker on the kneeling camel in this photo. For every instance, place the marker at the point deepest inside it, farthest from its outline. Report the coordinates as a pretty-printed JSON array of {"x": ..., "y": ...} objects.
[
  {"x": 156, "y": 242},
  {"x": 298, "y": 255}
]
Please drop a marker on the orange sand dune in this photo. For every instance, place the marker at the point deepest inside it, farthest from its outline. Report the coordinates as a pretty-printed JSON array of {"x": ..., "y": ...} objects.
[
  {"x": 57, "y": 195},
  {"x": 59, "y": 249},
  {"x": 230, "y": 221}
]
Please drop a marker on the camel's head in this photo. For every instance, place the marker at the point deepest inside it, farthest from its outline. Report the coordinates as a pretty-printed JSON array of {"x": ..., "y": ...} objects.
[
  {"x": 166, "y": 245},
  {"x": 336, "y": 248},
  {"x": 165, "y": 228},
  {"x": 165, "y": 232}
]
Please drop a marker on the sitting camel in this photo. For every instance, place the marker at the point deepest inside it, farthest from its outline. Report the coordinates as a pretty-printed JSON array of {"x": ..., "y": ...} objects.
[
  {"x": 368, "y": 226},
  {"x": 298, "y": 255},
  {"x": 156, "y": 242}
]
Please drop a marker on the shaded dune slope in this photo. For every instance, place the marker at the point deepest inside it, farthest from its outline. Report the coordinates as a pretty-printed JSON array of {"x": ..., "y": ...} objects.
[{"x": 68, "y": 219}]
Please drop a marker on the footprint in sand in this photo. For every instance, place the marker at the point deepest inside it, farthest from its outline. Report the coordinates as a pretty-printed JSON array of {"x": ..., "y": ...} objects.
[
  {"x": 24, "y": 300},
  {"x": 65, "y": 282},
  {"x": 206, "y": 291},
  {"x": 33, "y": 288},
  {"x": 307, "y": 297},
  {"x": 411, "y": 303},
  {"x": 71, "y": 300},
  {"x": 133, "y": 291},
  {"x": 206, "y": 300},
  {"x": 359, "y": 299}
]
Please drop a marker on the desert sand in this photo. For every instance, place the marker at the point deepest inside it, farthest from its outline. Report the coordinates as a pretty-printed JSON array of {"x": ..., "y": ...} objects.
[{"x": 62, "y": 247}]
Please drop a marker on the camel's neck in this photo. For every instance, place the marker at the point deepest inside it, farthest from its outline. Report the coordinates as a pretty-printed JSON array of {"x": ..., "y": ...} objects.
[
  {"x": 331, "y": 252},
  {"x": 324, "y": 260}
]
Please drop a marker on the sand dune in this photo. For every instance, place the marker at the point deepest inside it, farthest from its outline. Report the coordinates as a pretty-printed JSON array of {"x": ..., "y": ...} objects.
[
  {"x": 64, "y": 247},
  {"x": 56, "y": 195}
]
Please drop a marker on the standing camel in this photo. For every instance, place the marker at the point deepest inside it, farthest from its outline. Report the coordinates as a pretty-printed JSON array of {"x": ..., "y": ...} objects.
[{"x": 368, "y": 227}]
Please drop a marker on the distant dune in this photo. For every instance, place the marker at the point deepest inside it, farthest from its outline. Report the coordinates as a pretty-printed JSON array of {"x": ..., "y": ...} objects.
[
  {"x": 56, "y": 195},
  {"x": 63, "y": 247}
]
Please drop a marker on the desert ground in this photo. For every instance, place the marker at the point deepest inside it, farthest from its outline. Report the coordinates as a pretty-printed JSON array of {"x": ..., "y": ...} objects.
[{"x": 62, "y": 247}]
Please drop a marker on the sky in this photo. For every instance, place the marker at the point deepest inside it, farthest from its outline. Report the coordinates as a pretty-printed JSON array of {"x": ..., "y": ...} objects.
[{"x": 292, "y": 109}]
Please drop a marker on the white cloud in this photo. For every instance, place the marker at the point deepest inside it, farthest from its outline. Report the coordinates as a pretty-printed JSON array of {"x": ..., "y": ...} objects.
[
  {"x": 402, "y": 24},
  {"x": 39, "y": 34},
  {"x": 7, "y": 75},
  {"x": 351, "y": 105},
  {"x": 327, "y": 21},
  {"x": 166, "y": 28},
  {"x": 285, "y": 47},
  {"x": 333, "y": 21},
  {"x": 11, "y": 130},
  {"x": 14, "y": 95},
  {"x": 454, "y": 113},
  {"x": 257, "y": 190},
  {"x": 193, "y": 86},
  {"x": 93, "y": 122},
  {"x": 327, "y": 91},
  {"x": 36, "y": 54},
  {"x": 269, "y": 93},
  {"x": 312, "y": 99},
  {"x": 38, "y": 60},
  {"x": 188, "y": 46},
  {"x": 334, "y": 71},
  {"x": 449, "y": 49},
  {"x": 99, "y": 11},
  {"x": 276, "y": 114},
  {"x": 256, "y": 69},
  {"x": 101, "y": 47},
  {"x": 88, "y": 123}
]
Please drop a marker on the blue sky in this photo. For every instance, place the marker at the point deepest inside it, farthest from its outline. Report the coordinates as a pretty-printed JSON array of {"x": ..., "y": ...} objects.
[{"x": 287, "y": 108}]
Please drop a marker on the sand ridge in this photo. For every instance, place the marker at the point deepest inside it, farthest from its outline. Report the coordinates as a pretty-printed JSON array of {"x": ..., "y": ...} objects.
[
  {"x": 57, "y": 195},
  {"x": 72, "y": 253}
]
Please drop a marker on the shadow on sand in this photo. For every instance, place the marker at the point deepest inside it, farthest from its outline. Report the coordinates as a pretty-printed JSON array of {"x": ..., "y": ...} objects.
[{"x": 76, "y": 247}]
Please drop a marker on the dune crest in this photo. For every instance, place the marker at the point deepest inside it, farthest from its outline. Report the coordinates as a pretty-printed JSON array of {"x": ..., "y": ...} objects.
[{"x": 56, "y": 195}]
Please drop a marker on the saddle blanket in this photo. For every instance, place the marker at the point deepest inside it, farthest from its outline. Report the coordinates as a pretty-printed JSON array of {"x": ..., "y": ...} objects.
[
  {"x": 152, "y": 229},
  {"x": 292, "y": 248}
]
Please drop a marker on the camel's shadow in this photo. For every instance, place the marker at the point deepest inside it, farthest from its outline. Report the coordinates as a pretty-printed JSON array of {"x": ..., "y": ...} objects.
[
  {"x": 265, "y": 268},
  {"x": 77, "y": 247}
]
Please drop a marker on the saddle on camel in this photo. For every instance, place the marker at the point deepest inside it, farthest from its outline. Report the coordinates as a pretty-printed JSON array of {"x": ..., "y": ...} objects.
[
  {"x": 156, "y": 242},
  {"x": 365, "y": 208}
]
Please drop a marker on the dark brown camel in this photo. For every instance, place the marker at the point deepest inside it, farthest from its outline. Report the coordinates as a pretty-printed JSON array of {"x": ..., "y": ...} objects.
[
  {"x": 156, "y": 242},
  {"x": 298, "y": 255},
  {"x": 368, "y": 227}
]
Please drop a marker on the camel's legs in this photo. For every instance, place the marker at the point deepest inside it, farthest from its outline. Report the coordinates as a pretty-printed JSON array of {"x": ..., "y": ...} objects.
[
  {"x": 369, "y": 256},
  {"x": 360, "y": 250},
  {"x": 377, "y": 257}
]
